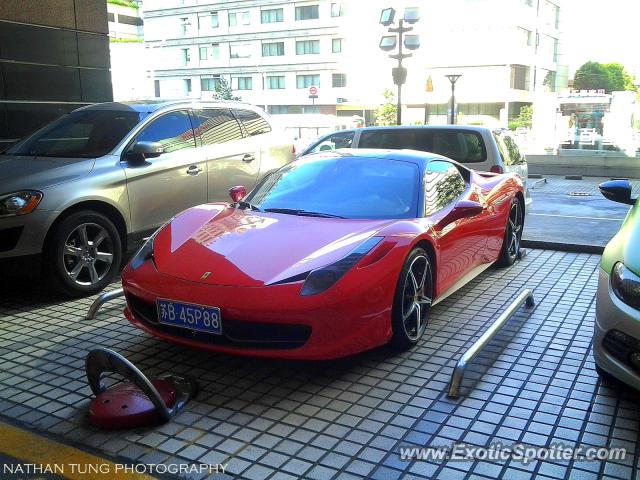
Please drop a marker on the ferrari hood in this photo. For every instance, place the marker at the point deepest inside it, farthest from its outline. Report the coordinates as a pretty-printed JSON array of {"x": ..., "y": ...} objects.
[{"x": 218, "y": 245}]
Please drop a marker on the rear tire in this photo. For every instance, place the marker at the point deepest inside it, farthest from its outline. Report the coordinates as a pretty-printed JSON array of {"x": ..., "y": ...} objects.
[
  {"x": 512, "y": 235},
  {"x": 83, "y": 254},
  {"x": 412, "y": 300},
  {"x": 606, "y": 378}
]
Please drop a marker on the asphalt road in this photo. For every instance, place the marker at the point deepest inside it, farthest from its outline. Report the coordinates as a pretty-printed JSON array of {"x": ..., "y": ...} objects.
[{"x": 573, "y": 212}]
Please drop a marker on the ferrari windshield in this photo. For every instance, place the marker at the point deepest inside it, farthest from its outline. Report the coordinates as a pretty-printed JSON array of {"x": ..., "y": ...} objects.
[
  {"x": 81, "y": 134},
  {"x": 347, "y": 187}
]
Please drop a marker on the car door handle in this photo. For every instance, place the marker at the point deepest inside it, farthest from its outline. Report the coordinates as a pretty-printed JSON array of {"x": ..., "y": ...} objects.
[
  {"x": 194, "y": 170},
  {"x": 248, "y": 158}
]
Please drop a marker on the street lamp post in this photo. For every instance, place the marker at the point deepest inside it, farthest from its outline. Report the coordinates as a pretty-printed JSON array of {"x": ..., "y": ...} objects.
[
  {"x": 453, "y": 79},
  {"x": 389, "y": 42}
]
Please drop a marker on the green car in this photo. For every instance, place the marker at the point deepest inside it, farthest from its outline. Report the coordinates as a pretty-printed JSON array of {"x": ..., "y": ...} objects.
[{"x": 616, "y": 340}]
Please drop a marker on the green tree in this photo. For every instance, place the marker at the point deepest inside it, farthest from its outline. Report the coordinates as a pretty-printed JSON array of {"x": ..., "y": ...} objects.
[
  {"x": 388, "y": 112},
  {"x": 619, "y": 79},
  {"x": 524, "y": 118},
  {"x": 224, "y": 92},
  {"x": 610, "y": 77}
]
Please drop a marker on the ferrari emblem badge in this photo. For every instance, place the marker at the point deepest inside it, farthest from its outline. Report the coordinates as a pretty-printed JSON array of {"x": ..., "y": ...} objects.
[{"x": 205, "y": 275}]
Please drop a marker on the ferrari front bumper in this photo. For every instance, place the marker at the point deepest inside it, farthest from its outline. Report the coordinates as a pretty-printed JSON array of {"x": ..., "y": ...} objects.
[{"x": 271, "y": 321}]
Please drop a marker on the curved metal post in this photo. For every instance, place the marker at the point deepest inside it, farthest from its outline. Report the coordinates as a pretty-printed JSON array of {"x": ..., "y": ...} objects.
[
  {"x": 526, "y": 296},
  {"x": 101, "y": 300}
]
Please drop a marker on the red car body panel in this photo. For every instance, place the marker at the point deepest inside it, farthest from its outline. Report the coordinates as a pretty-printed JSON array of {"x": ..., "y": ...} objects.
[{"x": 220, "y": 256}]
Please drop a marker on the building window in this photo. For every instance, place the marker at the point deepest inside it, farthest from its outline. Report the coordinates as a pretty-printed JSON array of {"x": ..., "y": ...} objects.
[
  {"x": 339, "y": 80},
  {"x": 520, "y": 77},
  {"x": 275, "y": 49},
  {"x": 245, "y": 18},
  {"x": 528, "y": 3},
  {"x": 556, "y": 52},
  {"x": 526, "y": 35},
  {"x": 187, "y": 86},
  {"x": 273, "y": 15},
  {"x": 215, "y": 51},
  {"x": 307, "y": 12},
  {"x": 209, "y": 84},
  {"x": 275, "y": 82},
  {"x": 186, "y": 56},
  {"x": 156, "y": 88},
  {"x": 214, "y": 20},
  {"x": 203, "y": 53},
  {"x": 306, "y": 47},
  {"x": 242, "y": 50},
  {"x": 184, "y": 25},
  {"x": 245, "y": 83},
  {"x": 337, "y": 9},
  {"x": 306, "y": 81},
  {"x": 336, "y": 45}
]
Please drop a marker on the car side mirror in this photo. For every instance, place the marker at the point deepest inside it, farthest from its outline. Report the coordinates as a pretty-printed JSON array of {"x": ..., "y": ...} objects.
[
  {"x": 143, "y": 150},
  {"x": 618, "y": 191},
  {"x": 464, "y": 209},
  {"x": 237, "y": 193}
]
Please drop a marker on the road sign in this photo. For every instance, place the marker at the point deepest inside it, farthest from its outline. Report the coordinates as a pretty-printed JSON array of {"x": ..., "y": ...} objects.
[{"x": 313, "y": 90}]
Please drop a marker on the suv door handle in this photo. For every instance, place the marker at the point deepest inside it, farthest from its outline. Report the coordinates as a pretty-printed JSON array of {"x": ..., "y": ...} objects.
[
  {"x": 194, "y": 170},
  {"x": 248, "y": 158}
]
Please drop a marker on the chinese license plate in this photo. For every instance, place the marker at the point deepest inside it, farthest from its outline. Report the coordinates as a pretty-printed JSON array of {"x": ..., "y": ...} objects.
[{"x": 186, "y": 315}]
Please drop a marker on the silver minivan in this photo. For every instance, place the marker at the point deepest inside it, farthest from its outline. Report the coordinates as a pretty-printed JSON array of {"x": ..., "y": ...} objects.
[{"x": 75, "y": 191}]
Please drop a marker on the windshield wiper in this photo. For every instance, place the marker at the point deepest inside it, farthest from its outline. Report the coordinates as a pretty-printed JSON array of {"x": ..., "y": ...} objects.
[
  {"x": 302, "y": 213},
  {"x": 244, "y": 205}
]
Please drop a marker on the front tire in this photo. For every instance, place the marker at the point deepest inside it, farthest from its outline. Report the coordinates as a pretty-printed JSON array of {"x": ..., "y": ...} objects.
[
  {"x": 412, "y": 300},
  {"x": 83, "y": 253},
  {"x": 512, "y": 235}
]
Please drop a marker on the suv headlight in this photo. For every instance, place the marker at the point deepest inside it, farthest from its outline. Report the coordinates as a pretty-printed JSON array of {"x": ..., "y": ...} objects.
[
  {"x": 321, "y": 279},
  {"x": 19, "y": 203},
  {"x": 626, "y": 285},
  {"x": 145, "y": 253}
]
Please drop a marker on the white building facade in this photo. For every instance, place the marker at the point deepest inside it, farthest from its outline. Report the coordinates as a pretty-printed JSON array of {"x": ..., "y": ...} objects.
[{"x": 507, "y": 51}]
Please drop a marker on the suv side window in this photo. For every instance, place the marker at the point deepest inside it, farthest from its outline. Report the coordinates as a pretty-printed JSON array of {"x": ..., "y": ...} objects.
[
  {"x": 172, "y": 130},
  {"x": 254, "y": 124},
  {"x": 216, "y": 125},
  {"x": 443, "y": 184},
  {"x": 334, "y": 142},
  {"x": 502, "y": 149},
  {"x": 514, "y": 152},
  {"x": 394, "y": 139}
]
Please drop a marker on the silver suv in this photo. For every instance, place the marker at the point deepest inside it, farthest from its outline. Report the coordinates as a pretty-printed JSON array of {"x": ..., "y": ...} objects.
[{"x": 78, "y": 189}]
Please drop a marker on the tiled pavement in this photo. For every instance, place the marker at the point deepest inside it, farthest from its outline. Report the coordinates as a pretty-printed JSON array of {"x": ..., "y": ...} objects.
[
  {"x": 346, "y": 419},
  {"x": 559, "y": 184}
]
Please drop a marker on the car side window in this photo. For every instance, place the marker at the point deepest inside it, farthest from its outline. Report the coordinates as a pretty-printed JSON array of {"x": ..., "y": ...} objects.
[
  {"x": 514, "y": 152},
  {"x": 216, "y": 125},
  {"x": 334, "y": 142},
  {"x": 464, "y": 147},
  {"x": 394, "y": 139},
  {"x": 504, "y": 153},
  {"x": 172, "y": 130},
  {"x": 254, "y": 124},
  {"x": 443, "y": 184}
]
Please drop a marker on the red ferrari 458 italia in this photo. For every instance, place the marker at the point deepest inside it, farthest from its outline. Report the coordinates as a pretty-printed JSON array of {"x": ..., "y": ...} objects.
[{"x": 328, "y": 256}]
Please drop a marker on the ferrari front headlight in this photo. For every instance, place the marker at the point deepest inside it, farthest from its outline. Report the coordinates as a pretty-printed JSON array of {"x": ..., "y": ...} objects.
[{"x": 323, "y": 278}]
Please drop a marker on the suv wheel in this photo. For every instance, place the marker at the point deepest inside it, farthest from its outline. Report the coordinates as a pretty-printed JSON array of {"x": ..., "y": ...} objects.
[{"x": 83, "y": 253}]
